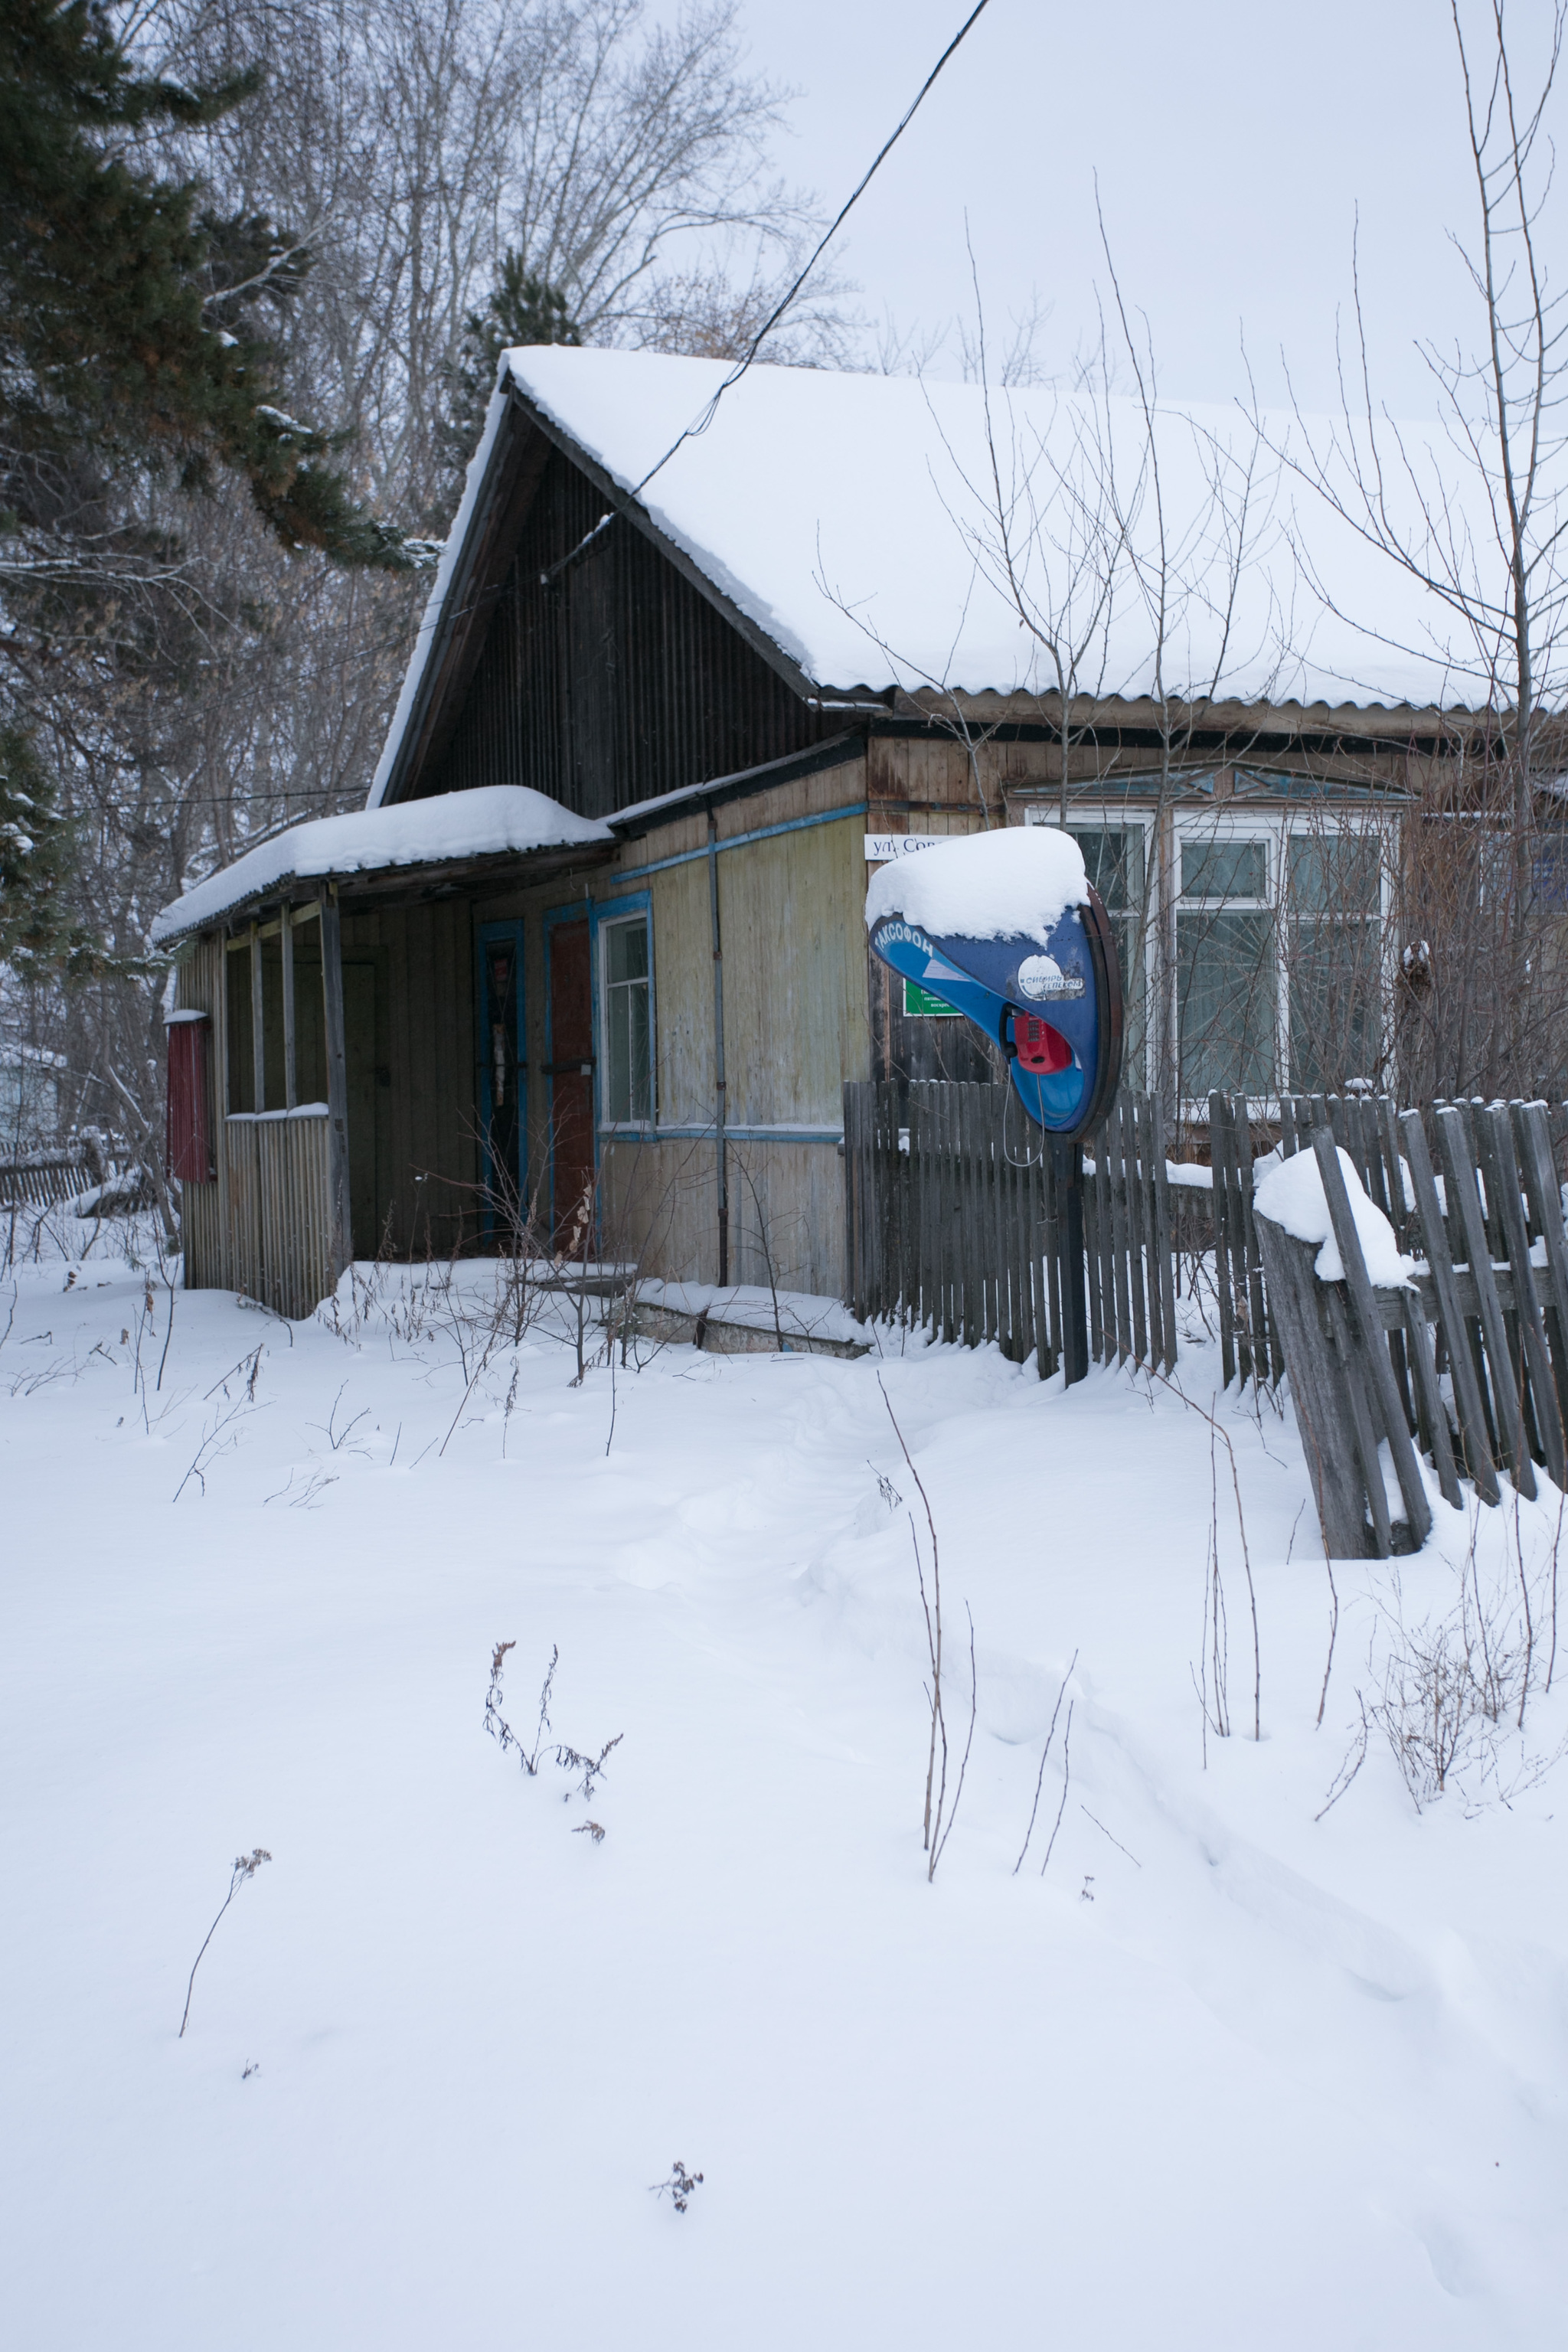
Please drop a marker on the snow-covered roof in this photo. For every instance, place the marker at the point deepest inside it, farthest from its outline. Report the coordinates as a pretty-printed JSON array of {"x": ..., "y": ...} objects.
[
  {"x": 852, "y": 519},
  {"x": 488, "y": 823}
]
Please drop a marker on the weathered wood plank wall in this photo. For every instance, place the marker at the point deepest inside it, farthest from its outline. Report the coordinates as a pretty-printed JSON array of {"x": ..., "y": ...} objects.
[{"x": 616, "y": 679}]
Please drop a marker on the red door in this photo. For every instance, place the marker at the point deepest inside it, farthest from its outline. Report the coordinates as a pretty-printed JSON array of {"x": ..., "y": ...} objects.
[{"x": 570, "y": 1072}]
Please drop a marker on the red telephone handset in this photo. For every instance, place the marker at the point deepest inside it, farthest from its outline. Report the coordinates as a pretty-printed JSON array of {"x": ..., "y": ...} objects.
[{"x": 1040, "y": 1048}]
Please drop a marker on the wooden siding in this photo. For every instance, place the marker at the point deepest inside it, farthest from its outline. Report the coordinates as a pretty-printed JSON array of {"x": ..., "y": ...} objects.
[
  {"x": 657, "y": 1203},
  {"x": 618, "y": 680},
  {"x": 412, "y": 1084},
  {"x": 922, "y": 785},
  {"x": 278, "y": 1240},
  {"x": 795, "y": 991}
]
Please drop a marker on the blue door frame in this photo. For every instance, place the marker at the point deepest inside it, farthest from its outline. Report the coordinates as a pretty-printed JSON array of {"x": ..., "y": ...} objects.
[{"x": 510, "y": 1074}]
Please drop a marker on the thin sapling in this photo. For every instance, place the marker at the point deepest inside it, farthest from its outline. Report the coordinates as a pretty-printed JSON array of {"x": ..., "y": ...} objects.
[{"x": 246, "y": 1866}]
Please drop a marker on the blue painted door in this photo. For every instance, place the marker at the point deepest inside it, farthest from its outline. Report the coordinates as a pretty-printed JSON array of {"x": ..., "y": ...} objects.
[{"x": 503, "y": 1077}]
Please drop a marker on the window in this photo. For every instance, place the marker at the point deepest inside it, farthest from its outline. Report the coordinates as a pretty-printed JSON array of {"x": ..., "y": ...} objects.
[
  {"x": 626, "y": 995},
  {"x": 1227, "y": 983},
  {"x": 1333, "y": 955},
  {"x": 1276, "y": 943},
  {"x": 1116, "y": 858}
]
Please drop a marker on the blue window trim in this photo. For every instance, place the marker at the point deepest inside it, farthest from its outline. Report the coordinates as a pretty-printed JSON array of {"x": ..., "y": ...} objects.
[
  {"x": 575, "y": 911},
  {"x": 605, "y": 912},
  {"x": 484, "y": 934}
]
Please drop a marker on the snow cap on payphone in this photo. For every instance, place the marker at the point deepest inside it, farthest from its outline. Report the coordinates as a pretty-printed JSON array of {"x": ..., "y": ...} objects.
[{"x": 1004, "y": 926}]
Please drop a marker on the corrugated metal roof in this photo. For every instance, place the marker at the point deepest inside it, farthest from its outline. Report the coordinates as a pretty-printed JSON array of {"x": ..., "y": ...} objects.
[{"x": 864, "y": 526}]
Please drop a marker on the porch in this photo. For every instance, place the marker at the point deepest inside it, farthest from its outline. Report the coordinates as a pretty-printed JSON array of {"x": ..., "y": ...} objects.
[{"x": 328, "y": 1097}]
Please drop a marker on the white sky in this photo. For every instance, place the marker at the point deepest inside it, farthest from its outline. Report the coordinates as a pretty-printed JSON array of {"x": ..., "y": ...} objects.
[{"x": 1233, "y": 140}]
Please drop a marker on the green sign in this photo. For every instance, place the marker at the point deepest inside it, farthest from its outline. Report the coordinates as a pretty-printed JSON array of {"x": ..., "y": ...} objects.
[{"x": 919, "y": 1004}]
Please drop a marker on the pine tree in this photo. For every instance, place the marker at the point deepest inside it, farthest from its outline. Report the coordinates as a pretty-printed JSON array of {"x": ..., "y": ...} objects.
[
  {"x": 137, "y": 330},
  {"x": 522, "y": 308},
  {"x": 39, "y": 938}
]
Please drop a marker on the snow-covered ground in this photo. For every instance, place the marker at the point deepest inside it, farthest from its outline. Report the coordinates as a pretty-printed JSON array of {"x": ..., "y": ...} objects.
[{"x": 1226, "y": 2075}]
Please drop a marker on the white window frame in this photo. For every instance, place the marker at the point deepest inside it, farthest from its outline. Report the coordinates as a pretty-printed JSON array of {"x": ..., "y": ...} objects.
[
  {"x": 1102, "y": 816},
  {"x": 1219, "y": 823},
  {"x": 1275, "y": 828},
  {"x": 642, "y": 915}
]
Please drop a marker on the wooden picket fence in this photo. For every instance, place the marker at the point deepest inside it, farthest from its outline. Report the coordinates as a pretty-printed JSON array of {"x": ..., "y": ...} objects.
[
  {"x": 952, "y": 1225},
  {"x": 1469, "y": 1363},
  {"x": 38, "y": 1180}
]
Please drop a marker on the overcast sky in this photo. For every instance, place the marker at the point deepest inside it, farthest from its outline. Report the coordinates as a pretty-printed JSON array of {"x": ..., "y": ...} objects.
[{"x": 1233, "y": 143}]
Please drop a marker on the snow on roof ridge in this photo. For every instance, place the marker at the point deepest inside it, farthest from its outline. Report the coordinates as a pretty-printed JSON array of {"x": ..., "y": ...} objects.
[
  {"x": 829, "y": 509},
  {"x": 486, "y": 822}
]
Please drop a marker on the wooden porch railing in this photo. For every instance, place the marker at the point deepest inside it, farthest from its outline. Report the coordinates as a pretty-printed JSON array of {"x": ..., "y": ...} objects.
[{"x": 279, "y": 1242}]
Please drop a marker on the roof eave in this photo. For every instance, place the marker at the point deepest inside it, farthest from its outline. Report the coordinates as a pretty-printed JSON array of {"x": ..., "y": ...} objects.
[{"x": 426, "y": 879}]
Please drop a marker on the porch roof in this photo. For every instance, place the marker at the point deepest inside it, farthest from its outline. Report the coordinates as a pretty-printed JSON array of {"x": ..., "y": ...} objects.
[{"x": 444, "y": 837}]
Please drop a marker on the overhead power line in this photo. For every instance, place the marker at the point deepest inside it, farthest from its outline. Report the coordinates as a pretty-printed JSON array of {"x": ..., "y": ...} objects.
[{"x": 777, "y": 312}]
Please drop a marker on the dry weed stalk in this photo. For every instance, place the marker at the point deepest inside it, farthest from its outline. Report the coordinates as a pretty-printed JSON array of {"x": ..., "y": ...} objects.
[
  {"x": 1214, "y": 1619},
  {"x": 1040, "y": 1781},
  {"x": 939, "y": 1821},
  {"x": 246, "y": 1866}
]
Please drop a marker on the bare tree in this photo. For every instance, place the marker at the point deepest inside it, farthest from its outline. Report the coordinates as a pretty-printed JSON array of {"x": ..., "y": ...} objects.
[{"x": 1473, "y": 517}]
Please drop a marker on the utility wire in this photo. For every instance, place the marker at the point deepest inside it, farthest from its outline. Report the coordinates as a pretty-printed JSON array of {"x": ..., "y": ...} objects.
[{"x": 771, "y": 322}]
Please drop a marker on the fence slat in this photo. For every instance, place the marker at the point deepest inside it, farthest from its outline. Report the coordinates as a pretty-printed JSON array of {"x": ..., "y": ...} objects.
[
  {"x": 1439, "y": 1258},
  {"x": 1459, "y": 1173},
  {"x": 1368, "y": 1330},
  {"x": 1220, "y": 1199},
  {"x": 1539, "y": 1170},
  {"x": 1528, "y": 1319}
]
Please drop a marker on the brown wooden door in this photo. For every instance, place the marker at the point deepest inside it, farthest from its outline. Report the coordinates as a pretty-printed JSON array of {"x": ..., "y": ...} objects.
[{"x": 570, "y": 1072}]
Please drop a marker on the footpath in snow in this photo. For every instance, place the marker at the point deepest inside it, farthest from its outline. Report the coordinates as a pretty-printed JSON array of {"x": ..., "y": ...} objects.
[{"x": 1234, "y": 2071}]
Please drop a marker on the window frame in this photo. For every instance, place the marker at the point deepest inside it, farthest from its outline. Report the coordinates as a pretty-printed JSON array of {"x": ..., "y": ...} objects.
[
  {"x": 1114, "y": 816},
  {"x": 618, "y": 914},
  {"x": 1217, "y": 822},
  {"x": 1275, "y": 828}
]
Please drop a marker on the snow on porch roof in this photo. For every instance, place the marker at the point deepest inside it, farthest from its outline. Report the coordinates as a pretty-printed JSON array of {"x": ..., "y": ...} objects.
[
  {"x": 488, "y": 823},
  {"x": 845, "y": 516}
]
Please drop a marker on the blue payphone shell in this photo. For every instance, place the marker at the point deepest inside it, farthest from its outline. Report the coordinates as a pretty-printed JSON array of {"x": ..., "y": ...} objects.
[{"x": 1054, "y": 1009}]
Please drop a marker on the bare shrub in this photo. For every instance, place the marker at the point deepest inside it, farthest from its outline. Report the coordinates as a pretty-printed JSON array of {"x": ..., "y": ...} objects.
[
  {"x": 1456, "y": 1685},
  {"x": 569, "y": 1758}
]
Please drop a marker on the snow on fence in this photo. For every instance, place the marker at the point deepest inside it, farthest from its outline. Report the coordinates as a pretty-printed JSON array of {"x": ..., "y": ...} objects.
[
  {"x": 951, "y": 1224},
  {"x": 1464, "y": 1356}
]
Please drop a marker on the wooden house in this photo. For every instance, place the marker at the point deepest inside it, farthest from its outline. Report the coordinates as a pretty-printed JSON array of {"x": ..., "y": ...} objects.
[{"x": 599, "y": 928}]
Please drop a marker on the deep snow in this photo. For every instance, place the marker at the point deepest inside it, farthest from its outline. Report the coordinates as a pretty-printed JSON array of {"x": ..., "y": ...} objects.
[{"x": 1224, "y": 2076}]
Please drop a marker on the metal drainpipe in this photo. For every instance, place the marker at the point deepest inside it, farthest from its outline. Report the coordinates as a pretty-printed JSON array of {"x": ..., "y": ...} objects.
[{"x": 722, "y": 1169}]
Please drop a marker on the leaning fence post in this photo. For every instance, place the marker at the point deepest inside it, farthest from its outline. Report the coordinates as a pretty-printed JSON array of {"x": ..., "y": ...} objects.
[
  {"x": 1369, "y": 1337},
  {"x": 1464, "y": 1202},
  {"x": 1439, "y": 1258}
]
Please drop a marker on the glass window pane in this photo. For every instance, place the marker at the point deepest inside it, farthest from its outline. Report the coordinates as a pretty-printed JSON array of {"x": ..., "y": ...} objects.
[
  {"x": 1225, "y": 869},
  {"x": 640, "y": 1090},
  {"x": 617, "y": 1088},
  {"x": 1335, "y": 986},
  {"x": 1113, "y": 860},
  {"x": 1226, "y": 999},
  {"x": 1334, "y": 873},
  {"x": 627, "y": 1015},
  {"x": 628, "y": 951}
]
